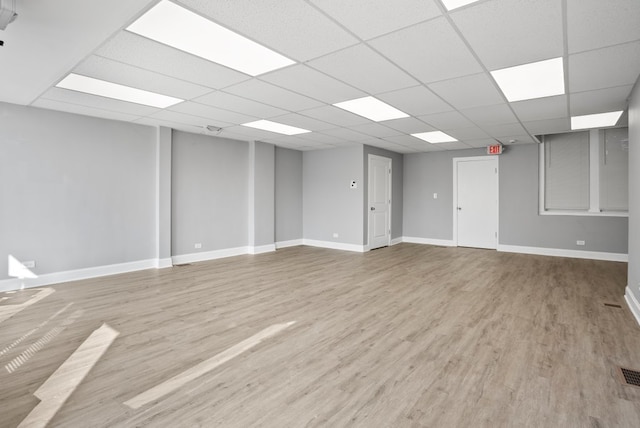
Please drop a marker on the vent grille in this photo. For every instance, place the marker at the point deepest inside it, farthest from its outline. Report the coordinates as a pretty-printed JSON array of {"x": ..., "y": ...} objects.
[{"x": 631, "y": 377}]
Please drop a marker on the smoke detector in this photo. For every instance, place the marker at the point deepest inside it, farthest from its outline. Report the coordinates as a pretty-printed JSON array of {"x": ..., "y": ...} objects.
[{"x": 7, "y": 13}]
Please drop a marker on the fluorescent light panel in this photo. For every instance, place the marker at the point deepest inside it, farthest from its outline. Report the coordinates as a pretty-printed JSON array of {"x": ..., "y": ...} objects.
[
  {"x": 435, "y": 137},
  {"x": 280, "y": 128},
  {"x": 182, "y": 29},
  {"x": 454, "y": 4},
  {"x": 102, "y": 88},
  {"x": 600, "y": 120},
  {"x": 534, "y": 80},
  {"x": 372, "y": 108}
]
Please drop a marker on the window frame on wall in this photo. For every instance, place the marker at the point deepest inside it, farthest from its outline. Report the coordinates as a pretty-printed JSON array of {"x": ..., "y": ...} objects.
[{"x": 594, "y": 185}]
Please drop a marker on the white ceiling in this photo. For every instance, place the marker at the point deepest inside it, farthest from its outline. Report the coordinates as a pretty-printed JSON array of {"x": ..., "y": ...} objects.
[{"x": 413, "y": 54}]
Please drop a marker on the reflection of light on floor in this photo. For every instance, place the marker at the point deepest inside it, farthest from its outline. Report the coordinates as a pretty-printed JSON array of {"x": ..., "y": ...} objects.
[
  {"x": 7, "y": 311},
  {"x": 56, "y": 390},
  {"x": 204, "y": 367},
  {"x": 33, "y": 330},
  {"x": 37, "y": 346}
]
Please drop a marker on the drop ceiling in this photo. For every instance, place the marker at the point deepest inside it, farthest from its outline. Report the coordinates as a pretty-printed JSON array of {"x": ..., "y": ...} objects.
[{"x": 414, "y": 55}]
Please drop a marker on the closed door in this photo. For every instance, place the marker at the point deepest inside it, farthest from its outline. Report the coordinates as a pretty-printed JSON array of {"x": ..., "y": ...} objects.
[
  {"x": 379, "y": 201},
  {"x": 476, "y": 210}
]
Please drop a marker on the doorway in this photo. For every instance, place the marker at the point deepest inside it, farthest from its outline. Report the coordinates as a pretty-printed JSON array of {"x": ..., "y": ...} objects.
[
  {"x": 475, "y": 202},
  {"x": 379, "y": 217}
]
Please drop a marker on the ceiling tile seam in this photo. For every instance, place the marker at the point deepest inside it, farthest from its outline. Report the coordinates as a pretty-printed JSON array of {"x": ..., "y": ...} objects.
[
  {"x": 601, "y": 89},
  {"x": 628, "y": 42},
  {"x": 486, "y": 70},
  {"x": 92, "y": 52},
  {"x": 136, "y": 116},
  {"x": 43, "y": 97},
  {"x": 565, "y": 58}
]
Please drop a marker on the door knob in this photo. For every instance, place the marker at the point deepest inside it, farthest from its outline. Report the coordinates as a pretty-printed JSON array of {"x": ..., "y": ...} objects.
[{"x": 459, "y": 209}]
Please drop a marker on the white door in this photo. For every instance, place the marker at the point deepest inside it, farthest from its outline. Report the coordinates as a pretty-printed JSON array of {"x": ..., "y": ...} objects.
[
  {"x": 476, "y": 203},
  {"x": 379, "y": 201}
]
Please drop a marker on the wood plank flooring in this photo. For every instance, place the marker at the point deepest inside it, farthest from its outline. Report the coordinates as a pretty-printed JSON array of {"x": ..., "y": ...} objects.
[{"x": 406, "y": 336}]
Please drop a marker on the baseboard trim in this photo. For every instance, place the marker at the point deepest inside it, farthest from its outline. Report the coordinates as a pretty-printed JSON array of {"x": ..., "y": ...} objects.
[
  {"x": 164, "y": 263},
  {"x": 429, "y": 241},
  {"x": 334, "y": 245},
  {"x": 208, "y": 255},
  {"x": 290, "y": 243},
  {"x": 261, "y": 249},
  {"x": 558, "y": 252},
  {"x": 633, "y": 303},
  {"x": 78, "y": 274},
  {"x": 396, "y": 241}
]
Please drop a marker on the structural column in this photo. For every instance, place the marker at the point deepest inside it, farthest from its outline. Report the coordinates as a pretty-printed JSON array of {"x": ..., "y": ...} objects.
[
  {"x": 261, "y": 197},
  {"x": 163, "y": 197}
]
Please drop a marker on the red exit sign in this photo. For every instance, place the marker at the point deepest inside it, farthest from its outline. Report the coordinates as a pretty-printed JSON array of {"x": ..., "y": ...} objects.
[{"x": 495, "y": 149}]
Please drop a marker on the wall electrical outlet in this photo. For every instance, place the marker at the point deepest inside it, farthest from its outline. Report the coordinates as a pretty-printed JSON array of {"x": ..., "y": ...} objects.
[
  {"x": 353, "y": 184},
  {"x": 198, "y": 245},
  {"x": 579, "y": 242}
]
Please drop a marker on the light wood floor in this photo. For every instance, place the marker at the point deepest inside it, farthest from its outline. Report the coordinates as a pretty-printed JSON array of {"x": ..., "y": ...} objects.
[{"x": 407, "y": 336}]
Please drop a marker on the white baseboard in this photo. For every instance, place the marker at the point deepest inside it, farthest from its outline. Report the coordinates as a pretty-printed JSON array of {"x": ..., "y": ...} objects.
[
  {"x": 396, "y": 241},
  {"x": 291, "y": 243},
  {"x": 633, "y": 303},
  {"x": 334, "y": 245},
  {"x": 429, "y": 241},
  {"x": 164, "y": 263},
  {"x": 78, "y": 274},
  {"x": 208, "y": 255},
  {"x": 261, "y": 249},
  {"x": 557, "y": 252}
]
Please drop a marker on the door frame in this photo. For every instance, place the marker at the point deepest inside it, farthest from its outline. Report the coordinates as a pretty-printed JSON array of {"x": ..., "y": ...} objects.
[
  {"x": 456, "y": 161},
  {"x": 368, "y": 206}
]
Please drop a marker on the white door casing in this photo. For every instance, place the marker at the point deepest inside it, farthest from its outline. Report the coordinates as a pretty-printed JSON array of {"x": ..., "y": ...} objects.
[
  {"x": 475, "y": 211},
  {"x": 379, "y": 217}
]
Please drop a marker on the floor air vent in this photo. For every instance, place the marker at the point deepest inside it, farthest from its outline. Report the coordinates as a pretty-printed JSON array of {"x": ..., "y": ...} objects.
[{"x": 630, "y": 377}]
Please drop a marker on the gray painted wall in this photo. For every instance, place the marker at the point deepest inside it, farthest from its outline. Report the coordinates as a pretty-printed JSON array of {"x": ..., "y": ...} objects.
[
  {"x": 397, "y": 176},
  {"x": 520, "y": 223},
  {"x": 76, "y": 191},
  {"x": 288, "y": 194},
  {"x": 209, "y": 193},
  {"x": 163, "y": 189},
  {"x": 329, "y": 205},
  {"x": 262, "y": 207},
  {"x": 634, "y": 192}
]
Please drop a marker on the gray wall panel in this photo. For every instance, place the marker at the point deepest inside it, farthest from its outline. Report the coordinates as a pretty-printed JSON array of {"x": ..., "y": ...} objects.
[
  {"x": 288, "y": 194},
  {"x": 634, "y": 192}
]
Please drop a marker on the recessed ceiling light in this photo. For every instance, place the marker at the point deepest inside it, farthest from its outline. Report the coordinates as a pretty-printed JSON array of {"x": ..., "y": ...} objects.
[
  {"x": 182, "y": 29},
  {"x": 435, "y": 137},
  {"x": 454, "y": 4},
  {"x": 116, "y": 91},
  {"x": 534, "y": 80},
  {"x": 280, "y": 128},
  {"x": 599, "y": 120},
  {"x": 372, "y": 108}
]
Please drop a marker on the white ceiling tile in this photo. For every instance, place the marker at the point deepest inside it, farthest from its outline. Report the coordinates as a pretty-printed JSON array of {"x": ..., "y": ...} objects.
[
  {"x": 455, "y": 145},
  {"x": 600, "y": 101},
  {"x": 604, "y": 68},
  {"x": 362, "y": 67},
  {"x": 470, "y": 91},
  {"x": 212, "y": 114},
  {"x": 249, "y": 134},
  {"x": 312, "y": 83},
  {"x": 505, "y": 33},
  {"x": 416, "y": 101},
  {"x": 447, "y": 120},
  {"x": 346, "y": 134},
  {"x": 187, "y": 119},
  {"x": 128, "y": 75},
  {"x": 430, "y": 51},
  {"x": 293, "y": 27},
  {"x": 322, "y": 138},
  {"x": 408, "y": 125},
  {"x": 482, "y": 142},
  {"x": 272, "y": 95},
  {"x": 138, "y": 51},
  {"x": 517, "y": 139},
  {"x": 335, "y": 115},
  {"x": 498, "y": 131},
  {"x": 238, "y": 104},
  {"x": 465, "y": 134},
  {"x": 288, "y": 140},
  {"x": 304, "y": 122},
  {"x": 83, "y": 110},
  {"x": 150, "y": 121},
  {"x": 371, "y": 18},
  {"x": 376, "y": 130},
  {"x": 387, "y": 145},
  {"x": 414, "y": 143},
  {"x": 96, "y": 102},
  {"x": 541, "y": 108},
  {"x": 596, "y": 24},
  {"x": 490, "y": 115},
  {"x": 549, "y": 126}
]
